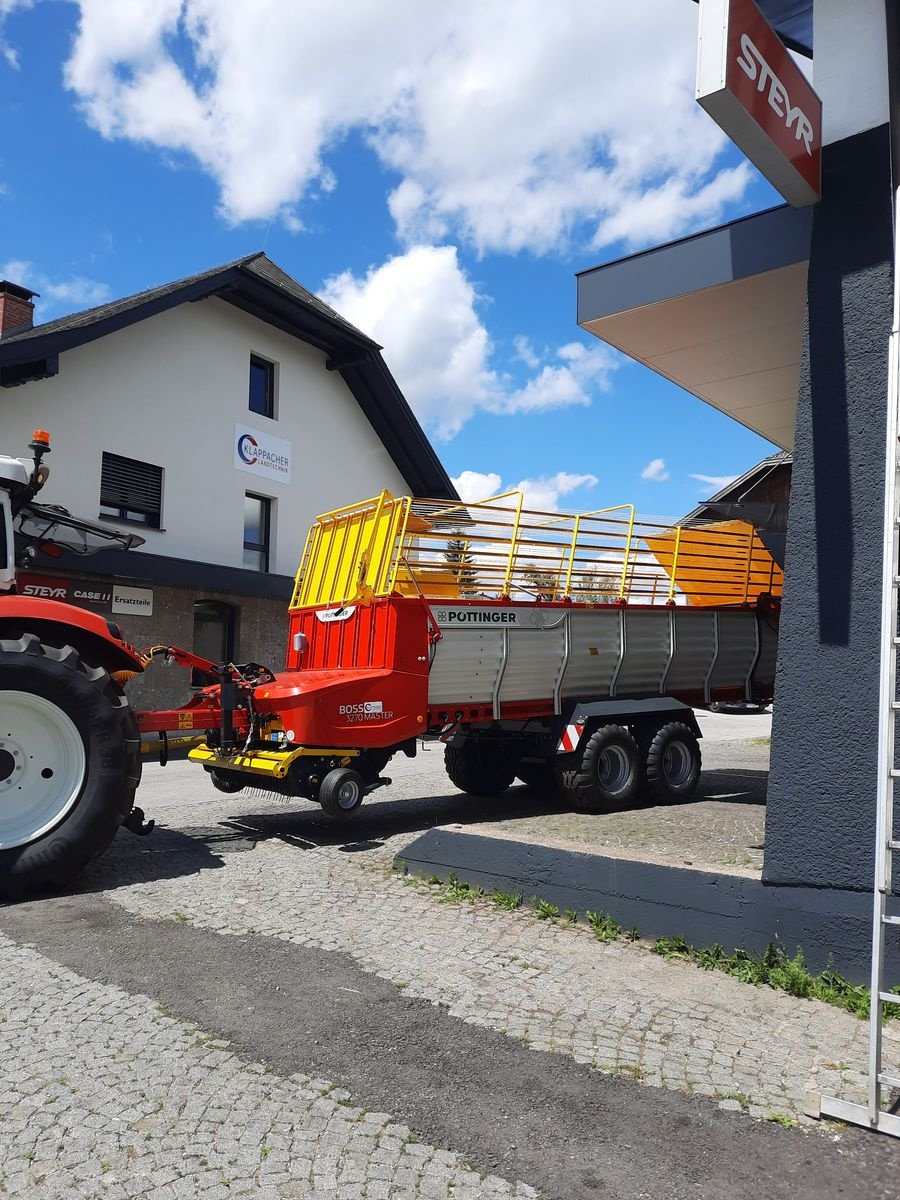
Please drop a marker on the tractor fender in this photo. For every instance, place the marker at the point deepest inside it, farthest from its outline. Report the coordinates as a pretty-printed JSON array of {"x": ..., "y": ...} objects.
[{"x": 98, "y": 640}]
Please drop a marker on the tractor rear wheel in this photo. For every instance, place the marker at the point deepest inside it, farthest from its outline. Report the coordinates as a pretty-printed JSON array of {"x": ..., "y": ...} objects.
[
  {"x": 609, "y": 774},
  {"x": 480, "y": 767},
  {"x": 69, "y": 763}
]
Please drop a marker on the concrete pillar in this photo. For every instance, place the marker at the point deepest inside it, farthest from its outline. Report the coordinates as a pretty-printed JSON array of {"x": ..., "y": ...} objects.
[{"x": 821, "y": 804}]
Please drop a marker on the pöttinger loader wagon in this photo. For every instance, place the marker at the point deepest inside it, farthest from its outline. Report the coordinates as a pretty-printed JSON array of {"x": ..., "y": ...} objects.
[{"x": 567, "y": 650}]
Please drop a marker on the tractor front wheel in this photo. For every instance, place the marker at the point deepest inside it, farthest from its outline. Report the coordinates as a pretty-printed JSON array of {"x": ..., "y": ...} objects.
[{"x": 69, "y": 763}]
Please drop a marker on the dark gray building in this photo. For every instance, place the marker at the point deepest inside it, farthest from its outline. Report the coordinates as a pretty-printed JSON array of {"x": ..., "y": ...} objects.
[{"x": 782, "y": 320}]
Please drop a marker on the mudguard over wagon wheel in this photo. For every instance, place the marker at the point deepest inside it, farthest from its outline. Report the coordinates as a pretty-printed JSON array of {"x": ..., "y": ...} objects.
[{"x": 69, "y": 763}]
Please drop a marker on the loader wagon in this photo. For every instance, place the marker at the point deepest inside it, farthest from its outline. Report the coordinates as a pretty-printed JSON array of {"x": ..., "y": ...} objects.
[{"x": 565, "y": 650}]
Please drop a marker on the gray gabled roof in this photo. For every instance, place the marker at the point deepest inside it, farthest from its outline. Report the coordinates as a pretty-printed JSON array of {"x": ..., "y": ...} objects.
[
  {"x": 261, "y": 288},
  {"x": 252, "y": 264}
]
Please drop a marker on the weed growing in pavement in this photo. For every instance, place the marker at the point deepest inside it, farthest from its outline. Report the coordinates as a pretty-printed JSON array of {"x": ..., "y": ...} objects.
[
  {"x": 454, "y": 890},
  {"x": 605, "y": 929},
  {"x": 774, "y": 968},
  {"x": 180, "y": 918},
  {"x": 742, "y": 1098},
  {"x": 781, "y": 1119}
]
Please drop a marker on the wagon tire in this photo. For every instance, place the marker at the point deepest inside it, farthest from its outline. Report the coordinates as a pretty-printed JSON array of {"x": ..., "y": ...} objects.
[
  {"x": 672, "y": 762},
  {"x": 70, "y": 762},
  {"x": 480, "y": 768},
  {"x": 609, "y": 774},
  {"x": 228, "y": 782},
  {"x": 341, "y": 792}
]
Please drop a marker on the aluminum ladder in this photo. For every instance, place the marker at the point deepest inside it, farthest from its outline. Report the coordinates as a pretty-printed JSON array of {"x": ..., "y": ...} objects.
[{"x": 872, "y": 1114}]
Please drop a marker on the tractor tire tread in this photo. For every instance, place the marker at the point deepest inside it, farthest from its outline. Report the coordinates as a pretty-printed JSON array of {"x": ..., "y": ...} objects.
[{"x": 106, "y": 799}]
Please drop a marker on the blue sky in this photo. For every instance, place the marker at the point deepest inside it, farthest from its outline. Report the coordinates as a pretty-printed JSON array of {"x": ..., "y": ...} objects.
[{"x": 438, "y": 177}]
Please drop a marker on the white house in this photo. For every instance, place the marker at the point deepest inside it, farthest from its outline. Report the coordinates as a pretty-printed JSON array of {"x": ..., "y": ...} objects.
[{"x": 216, "y": 416}]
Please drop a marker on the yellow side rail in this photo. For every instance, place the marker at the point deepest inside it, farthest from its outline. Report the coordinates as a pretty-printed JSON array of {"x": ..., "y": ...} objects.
[{"x": 500, "y": 548}]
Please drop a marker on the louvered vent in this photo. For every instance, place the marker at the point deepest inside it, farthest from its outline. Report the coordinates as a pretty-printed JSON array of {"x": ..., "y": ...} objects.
[{"x": 132, "y": 488}]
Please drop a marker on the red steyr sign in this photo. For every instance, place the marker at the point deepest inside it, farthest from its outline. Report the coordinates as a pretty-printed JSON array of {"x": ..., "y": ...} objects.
[{"x": 752, "y": 88}]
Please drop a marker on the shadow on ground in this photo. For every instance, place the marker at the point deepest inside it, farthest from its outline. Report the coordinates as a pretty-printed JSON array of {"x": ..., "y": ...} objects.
[{"x": 170, "y": 853}]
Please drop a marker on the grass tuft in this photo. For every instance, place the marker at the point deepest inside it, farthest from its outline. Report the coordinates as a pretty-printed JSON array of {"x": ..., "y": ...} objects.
[
  {"x": 781, "y": 1119},
  {"x": 604, "y": 928},
  {"x": 775, "y": 969},
  {"x": 544, "y": 910}
]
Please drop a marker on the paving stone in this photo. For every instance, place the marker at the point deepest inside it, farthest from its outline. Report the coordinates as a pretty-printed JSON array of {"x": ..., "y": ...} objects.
[{"x": 174, "y": 1112}]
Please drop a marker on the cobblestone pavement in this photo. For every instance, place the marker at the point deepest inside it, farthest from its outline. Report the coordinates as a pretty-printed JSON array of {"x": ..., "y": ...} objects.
[
  {"x": 722, "y": 828},
  {"x": 108, "y": 1095},
  {"x": 293, "y": 875}
]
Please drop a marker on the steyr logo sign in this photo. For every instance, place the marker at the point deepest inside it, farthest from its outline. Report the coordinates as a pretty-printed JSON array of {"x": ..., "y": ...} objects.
[
  {"x": 261, "y": 454},
  {"x": 753, "y": 89}
]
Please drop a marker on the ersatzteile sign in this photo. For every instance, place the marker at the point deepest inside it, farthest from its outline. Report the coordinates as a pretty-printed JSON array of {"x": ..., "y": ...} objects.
[{"x": 753, "y": 89}]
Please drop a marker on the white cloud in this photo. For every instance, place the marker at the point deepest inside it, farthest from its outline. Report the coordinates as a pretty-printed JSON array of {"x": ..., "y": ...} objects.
[
  {"x": 716, "y": 482},
  {"x": 655, "y": 470},
  {"x": 543, "y": 493},
  {"x": 525, "y": 352},
  {"x": 477, "y": 485},
  {"x": 9, "y": 53},
  {"x": 423, "y": 309},
  {"x": 510, "y": 126},
  {"x": 57, "y": 295}
]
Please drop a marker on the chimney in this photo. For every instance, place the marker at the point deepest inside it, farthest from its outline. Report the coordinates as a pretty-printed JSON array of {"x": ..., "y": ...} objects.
[{"x": 16, "y": 308}]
